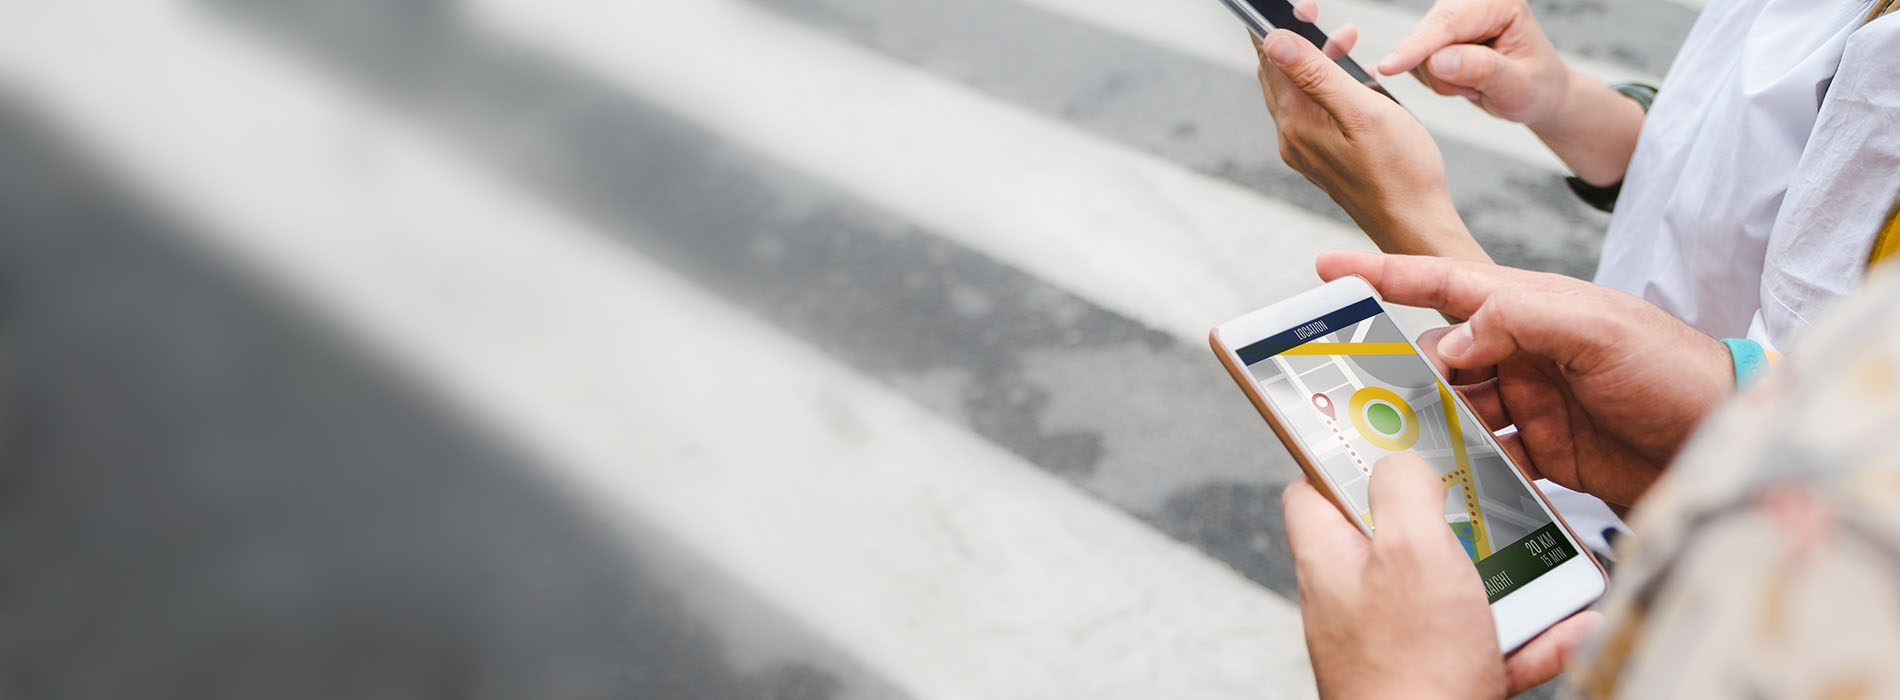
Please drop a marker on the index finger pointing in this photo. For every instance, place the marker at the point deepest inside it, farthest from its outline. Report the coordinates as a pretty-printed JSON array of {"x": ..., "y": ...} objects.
[
  {"x": 1449, "y": 22},
  {"x": 1428, "y": 38},
  {"x": 1454, "y": 287}
]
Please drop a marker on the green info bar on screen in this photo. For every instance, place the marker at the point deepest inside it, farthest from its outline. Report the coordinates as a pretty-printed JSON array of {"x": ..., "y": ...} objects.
[{"x": 1529, "y": 557}]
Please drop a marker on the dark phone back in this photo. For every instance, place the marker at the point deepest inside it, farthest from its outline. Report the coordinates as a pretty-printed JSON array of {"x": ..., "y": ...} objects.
[{"x": 1279, "y": 13}]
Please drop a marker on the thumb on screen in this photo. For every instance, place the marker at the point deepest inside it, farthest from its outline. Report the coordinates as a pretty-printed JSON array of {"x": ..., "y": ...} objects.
[{"x": 1408, "y": 498}]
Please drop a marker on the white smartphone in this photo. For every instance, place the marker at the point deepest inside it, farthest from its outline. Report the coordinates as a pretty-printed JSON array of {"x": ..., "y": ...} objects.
[{"x": 1342, "y": 386}]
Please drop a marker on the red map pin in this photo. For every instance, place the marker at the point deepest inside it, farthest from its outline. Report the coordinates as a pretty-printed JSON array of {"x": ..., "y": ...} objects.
[{"x": 1325, "y": 405}]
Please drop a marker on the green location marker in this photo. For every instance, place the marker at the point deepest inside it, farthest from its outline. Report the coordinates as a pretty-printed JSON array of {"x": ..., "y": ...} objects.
[{"x": 1384, "y": 418}]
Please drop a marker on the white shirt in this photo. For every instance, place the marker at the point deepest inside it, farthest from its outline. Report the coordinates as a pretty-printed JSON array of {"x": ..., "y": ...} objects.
[{"x": 1762, "y": 176}]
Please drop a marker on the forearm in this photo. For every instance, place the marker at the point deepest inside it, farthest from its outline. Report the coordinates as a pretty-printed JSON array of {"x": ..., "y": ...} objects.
[
  {"x": 1427, "y": 226},
  {"x": 1594, "y": 131}
]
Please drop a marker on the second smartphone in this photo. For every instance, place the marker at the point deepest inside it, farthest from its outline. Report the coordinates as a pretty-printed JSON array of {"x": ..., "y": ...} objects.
[{"x": 1262, "y": 16}]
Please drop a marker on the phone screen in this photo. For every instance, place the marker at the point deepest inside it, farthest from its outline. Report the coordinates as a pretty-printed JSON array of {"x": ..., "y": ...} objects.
[{"x": 1352, "y": 390}]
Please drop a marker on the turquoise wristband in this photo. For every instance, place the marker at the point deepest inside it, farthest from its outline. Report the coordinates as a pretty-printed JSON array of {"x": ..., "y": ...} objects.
[{"x": 1750, "y": 360}]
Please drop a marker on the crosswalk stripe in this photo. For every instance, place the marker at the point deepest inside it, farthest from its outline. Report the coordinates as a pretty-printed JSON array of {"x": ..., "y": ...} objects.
[
  {"x": 937, "y": 559},
  {"x": 1205, "y": 30},
  {"x": 1174, "y": 249}
]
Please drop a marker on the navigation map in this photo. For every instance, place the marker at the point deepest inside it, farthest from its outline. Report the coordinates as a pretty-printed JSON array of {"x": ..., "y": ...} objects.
[{"x": 1358, "y": 393}]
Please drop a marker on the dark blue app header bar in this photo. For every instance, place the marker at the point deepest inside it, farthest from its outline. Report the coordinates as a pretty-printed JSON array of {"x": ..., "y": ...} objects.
[{"x": 1330, "y": 323}]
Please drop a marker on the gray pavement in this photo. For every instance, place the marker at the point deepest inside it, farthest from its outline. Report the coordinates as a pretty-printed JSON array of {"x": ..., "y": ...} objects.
[
  {"x": 206, "y": 495},
  {"x": 210, "y": 493}
]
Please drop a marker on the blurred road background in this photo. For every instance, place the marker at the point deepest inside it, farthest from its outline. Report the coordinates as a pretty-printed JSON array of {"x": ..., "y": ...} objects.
[{"x": 788, "y": 349}]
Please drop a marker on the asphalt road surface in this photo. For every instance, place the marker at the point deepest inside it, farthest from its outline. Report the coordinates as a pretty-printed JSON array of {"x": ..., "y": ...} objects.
[{"x": 713, "y": 349}]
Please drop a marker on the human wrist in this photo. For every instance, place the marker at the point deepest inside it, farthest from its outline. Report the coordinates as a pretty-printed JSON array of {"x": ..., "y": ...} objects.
[
  {"x": 1565, "y": 89},
  {"x": 1394, "y": 682},
  {"x": 1592, "y": 127},
  {"x": 1707, "y": 382},
  {"x": 1426, "y": 224},
  {"x": 1411, "y": 689}
]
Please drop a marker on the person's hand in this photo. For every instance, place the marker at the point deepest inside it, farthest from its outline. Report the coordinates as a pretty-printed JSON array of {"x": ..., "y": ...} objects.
[
  {"x": 1493, "y": 53},
  {"x": 1403, "y": 614},
  {"x": 1489, "y": 51},
  {"x": 1604, "y": 388},
  {"x": 1366, "y": 152}
]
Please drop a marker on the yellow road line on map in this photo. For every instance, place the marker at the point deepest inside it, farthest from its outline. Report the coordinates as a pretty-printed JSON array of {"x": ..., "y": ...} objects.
[
  {"x": 1350, "y": 349},
  {"x": 1479, "y": 540}
]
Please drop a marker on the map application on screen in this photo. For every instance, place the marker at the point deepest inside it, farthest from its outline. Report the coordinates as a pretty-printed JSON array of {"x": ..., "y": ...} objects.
[{"x": 1352, "y": 390}]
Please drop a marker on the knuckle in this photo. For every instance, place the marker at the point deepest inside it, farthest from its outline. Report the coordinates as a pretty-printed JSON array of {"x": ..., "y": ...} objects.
[
  {"x": 1360, "y": 121},
  {"x": 1457, "y": 277},
  {"x": 1616, "y": 329},
  {"x": 1505, "y": 305},
  {"x": 1399, "y": 550},
  {"x": 1294, "y": 134},
  {"x": 1447, "y": 15},
  {"x": 1512, "y": 300},
  {"x": 1306, "y": 72}
]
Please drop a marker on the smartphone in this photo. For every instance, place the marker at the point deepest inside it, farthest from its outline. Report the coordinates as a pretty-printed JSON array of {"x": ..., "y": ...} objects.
[
  {"x": 1261, "y": 16},
  {"x": 1342, "y": 387}
]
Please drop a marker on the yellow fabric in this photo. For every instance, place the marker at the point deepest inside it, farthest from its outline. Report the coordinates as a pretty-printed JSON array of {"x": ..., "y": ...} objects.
[
  {"x": 1888, "y": 242},
  {"x": 1763, "y": 564},
  {"x": 1881, "y": 8}
]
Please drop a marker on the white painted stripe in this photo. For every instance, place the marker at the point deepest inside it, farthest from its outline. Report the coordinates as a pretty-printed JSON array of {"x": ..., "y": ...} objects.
[
  {"x": 942, "y": 562},
  {"x": 1172, "y": 248},
  {"x": 1204, "y": 29}
]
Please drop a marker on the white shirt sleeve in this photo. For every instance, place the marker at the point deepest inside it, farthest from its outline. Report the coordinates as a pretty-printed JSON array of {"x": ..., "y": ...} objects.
[{"x": 1844, "y": 188}]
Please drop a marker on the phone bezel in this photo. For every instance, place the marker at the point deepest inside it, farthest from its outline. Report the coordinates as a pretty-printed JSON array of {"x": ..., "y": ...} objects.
[
  {"x": 1520, "y": 615},
  {"x": 1256, "y": 24},
  {"x": 1260, "y": 26}
]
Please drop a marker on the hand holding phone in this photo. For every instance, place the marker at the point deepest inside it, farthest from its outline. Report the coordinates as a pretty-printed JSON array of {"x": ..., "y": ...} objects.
[
  {"x": 1603, "y": 387},
  {"x": 1343, "y": 388},
  {"x": 1597, "y": 382},
  {"x": 1401, "y": 615},
  {"x": 1372, "y": 157}
]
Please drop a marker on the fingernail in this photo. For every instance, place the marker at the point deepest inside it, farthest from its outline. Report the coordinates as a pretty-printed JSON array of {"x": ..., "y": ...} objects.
[
  {"x": 1445, "y": 63},
  {"x": 1306, "y": 11},
  {"x": 1280, "y": 49},
  {"x": 1455, "y": 344}
]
